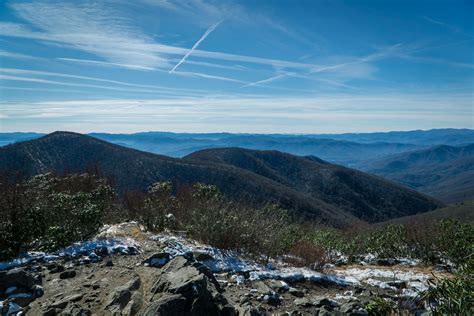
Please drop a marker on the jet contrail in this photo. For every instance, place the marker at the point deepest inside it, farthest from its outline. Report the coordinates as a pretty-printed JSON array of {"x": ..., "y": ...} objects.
[
  {"x": 256, "y": 83},
  {"x": 203, "y": 37}
]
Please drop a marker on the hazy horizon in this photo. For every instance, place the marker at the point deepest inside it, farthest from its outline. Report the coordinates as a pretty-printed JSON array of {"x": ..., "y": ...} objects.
[{"x": 238, "y": 133}]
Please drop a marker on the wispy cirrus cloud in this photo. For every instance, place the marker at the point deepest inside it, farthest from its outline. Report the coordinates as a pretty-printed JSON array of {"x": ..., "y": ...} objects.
[
  {"x": 155, "y": 90},
  {"x": 109, "y": 35},
  {"x": 92, "y": 28},
  {"x": 104, "y": 63},
  {"x": 6, "y": 54},
  {"x": 452, "y": 28},
  {"x": 16, "y": 71},
  {"x": 248, "y": 114}
]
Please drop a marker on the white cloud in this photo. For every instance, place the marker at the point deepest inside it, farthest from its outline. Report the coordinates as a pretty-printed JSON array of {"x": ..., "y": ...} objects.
[
  {"x": 6, "y": 54},
  {"x": 64, "y": 75},
  {"x": 155, "y": 90},
  {"x": 341, "y": 113},
  {"x": 85, "y": 26}
]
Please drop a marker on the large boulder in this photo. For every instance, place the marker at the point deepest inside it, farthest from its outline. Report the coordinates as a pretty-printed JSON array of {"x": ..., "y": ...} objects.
[
  {"x": 126, "y": 299},
  {"x": 20, "y": 287},
  {"x": 187, "y": 288},
  {"x": 167, "y": 304},
  {"x": 17, "y": 278}
]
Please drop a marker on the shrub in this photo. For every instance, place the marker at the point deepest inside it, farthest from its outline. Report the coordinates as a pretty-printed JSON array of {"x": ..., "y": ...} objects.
[
  {"x": 456, "y": 240},
  {"x": 159, "y": 202},
  {"x": 387, "y": 242},
  {"x": 421, "y": 238},
  {"x": 306, "y": 253},
  {"x": 48, "y": 212},
  {"x": 453, "y": 296},
  {"x": 380, "y": 306}
]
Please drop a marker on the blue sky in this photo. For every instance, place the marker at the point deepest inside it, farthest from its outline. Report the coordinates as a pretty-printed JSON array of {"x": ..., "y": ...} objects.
[{"x": 236, "y": 66}]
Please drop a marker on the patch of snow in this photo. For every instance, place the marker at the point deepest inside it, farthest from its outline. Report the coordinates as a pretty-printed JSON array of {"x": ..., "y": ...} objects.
[
  {"x": 10, "y": 290},
  {"x": 380, "y": 278},
  {"x": 409, "y": 262},
  {"x": 13, "y": 308},
  {"x": 124, "y": 246},
  {"x": 157, "y": 262},
  {"x": 253, "y": 276},
  {"x": 175, "y": 246},
  {"x": 239, "y": 279},
  {"x": 380, "y": 284},
  {"x": 25, "y": 259},
  {"x": 347, "y": 295},
  {"x": 123, "y": 230},
  {"x": 232, "y": 262},
  {"x": 19, "y": 295}
]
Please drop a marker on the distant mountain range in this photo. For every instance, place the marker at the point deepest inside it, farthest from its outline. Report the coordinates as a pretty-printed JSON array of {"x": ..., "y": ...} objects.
[
  {"x": 311, "y": 187},
  {"x": 347, "y": 149},
  {"x": 445, "y": 172},
  {"x": 389, "y": 154}
]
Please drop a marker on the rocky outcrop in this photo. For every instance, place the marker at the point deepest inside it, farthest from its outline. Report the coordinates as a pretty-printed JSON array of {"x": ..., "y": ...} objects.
[
  {"x": 18, "y": 288},
  {"x": 184, "y": 288},
  {"x": 126, "y": 299}
]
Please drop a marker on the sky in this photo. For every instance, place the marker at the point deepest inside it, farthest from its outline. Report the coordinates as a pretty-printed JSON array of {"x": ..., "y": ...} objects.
[{"x": 267, "y": 66}]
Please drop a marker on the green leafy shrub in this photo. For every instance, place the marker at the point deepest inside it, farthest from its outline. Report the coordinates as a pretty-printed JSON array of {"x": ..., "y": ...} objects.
[
  {"x": 49, "y": 212},
  {"x": 452, "y": 296},
  {"x": 380, "y": 306},
  {"x": 456, "y": 240},
  {"x": 157, "y": 205}
]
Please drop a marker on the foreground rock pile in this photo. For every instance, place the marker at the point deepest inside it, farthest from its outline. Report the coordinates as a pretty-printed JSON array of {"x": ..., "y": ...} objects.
[{"x": 157, "y": 279}]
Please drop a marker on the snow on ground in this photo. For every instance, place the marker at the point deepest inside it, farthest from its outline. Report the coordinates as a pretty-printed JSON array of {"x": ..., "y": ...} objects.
[
  {"x": 388, "y": 279},
  {"x": 124, "y": 246},
  {"x": 127, "y": 239}
]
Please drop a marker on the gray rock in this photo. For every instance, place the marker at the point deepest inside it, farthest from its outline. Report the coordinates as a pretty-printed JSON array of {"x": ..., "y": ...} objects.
[
  {"x": 302, "y": 302},
  {"x": 296, "y": 292},
  {"x": 125, "y": 300},
  {"x": 272, "y": 299},
  {"x": 65, "y": 301},
  {"x": 202, "y": 256},
  {"x": 157, "y": 260},
  {"x": 18, "y": 278},
  {"x": 55, "y": 268},
  {"x": 252, "y": 311},
  {"x": 277, "y": 285},
  {"x": 351, "y": 307},
  {"x": 67, "y": 274},
  {"x": 261, "y": 287},
  {"x": 192, "y": 282},
  {"x": 325, "y": 302},
  {"x": 324, "y": 311},
  {"x": 387, "y": 262},
  {"x": 398, "y": 284},
  {"x": 135, "y": 304},
  {"x": 167, "y": 304},
  {"x": 37, "y": 291}
]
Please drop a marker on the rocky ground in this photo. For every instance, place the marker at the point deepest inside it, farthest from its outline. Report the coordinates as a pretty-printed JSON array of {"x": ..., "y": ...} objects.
[{"x": 127, "y": 271}]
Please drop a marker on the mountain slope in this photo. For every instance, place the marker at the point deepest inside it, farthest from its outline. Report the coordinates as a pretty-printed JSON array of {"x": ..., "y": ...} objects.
[
  {"x": 352, "y": 150},
  {"x": 364, "y": 196},
  {"x": 135, "y": 170},
  {"x": 446, "y": 172},
  {"x": 459, "y": 211},
  {"x": 177, "y": 145},
  {"x": 442, "y": 136}
]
